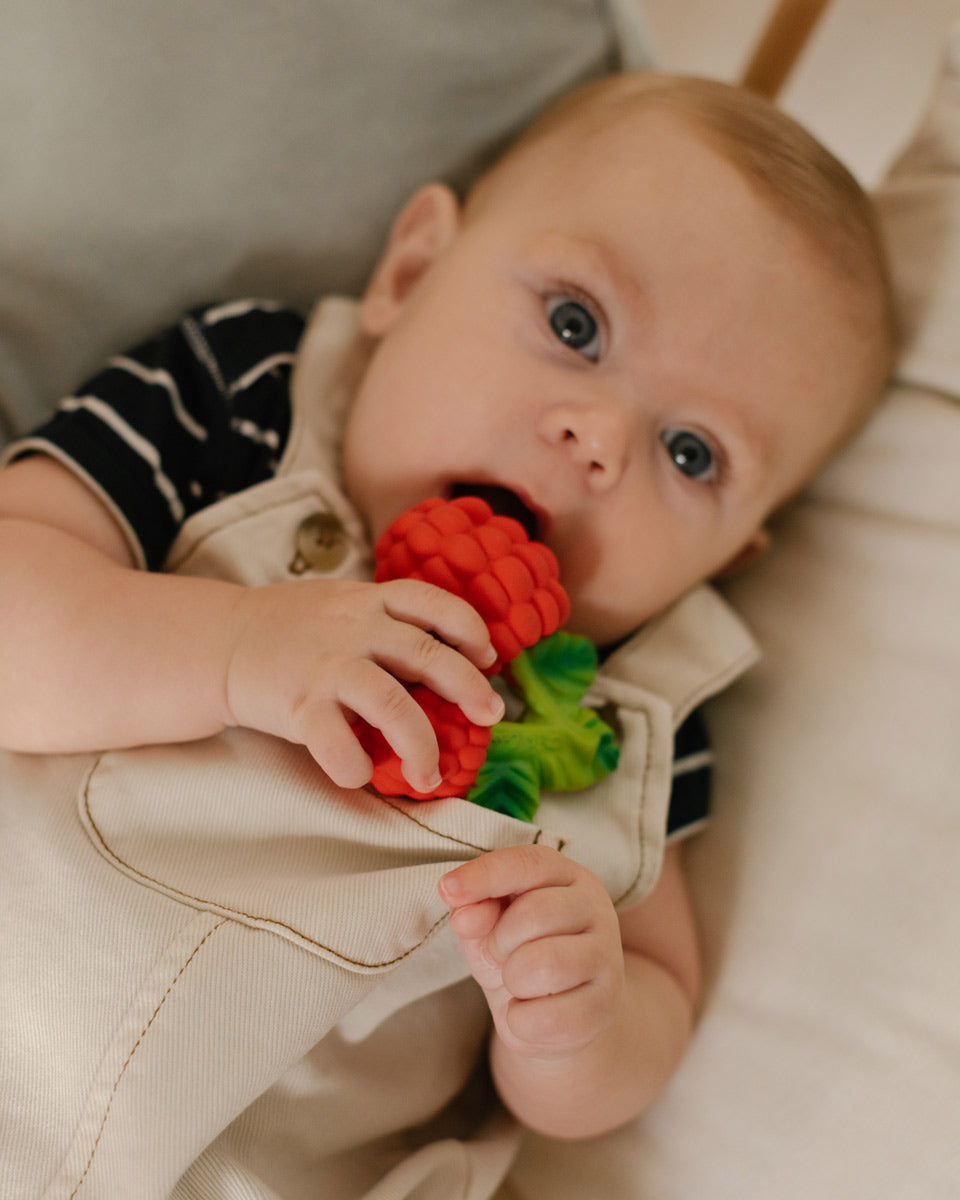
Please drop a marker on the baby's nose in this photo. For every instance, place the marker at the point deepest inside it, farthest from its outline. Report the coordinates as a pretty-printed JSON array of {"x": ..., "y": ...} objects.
[{"x": 594, "y": 436}]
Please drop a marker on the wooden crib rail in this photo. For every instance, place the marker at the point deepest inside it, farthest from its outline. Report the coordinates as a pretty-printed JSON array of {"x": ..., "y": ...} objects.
[{"x": 780, "y": 45}]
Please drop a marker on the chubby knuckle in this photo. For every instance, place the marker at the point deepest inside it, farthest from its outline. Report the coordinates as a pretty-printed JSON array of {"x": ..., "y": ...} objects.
[
  {"x": 303, "y": 713},
  {"x": 330, "y": 599},
  {"x": 394, "y": 702},
  {"x": 438, "y": 604},
  {"x": 539, "y": 972},
  {"x": 427, "y": 651},
  {"x": 343, "y": 764}
]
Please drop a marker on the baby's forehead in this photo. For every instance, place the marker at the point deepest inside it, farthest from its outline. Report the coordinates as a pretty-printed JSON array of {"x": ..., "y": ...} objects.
[
  {"x": 599, "y": 151},
  {"x": 627, "y": 127}
]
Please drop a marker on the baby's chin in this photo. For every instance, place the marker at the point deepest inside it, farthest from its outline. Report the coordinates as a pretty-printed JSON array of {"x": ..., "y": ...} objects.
[{"x": 602, "y": 627}]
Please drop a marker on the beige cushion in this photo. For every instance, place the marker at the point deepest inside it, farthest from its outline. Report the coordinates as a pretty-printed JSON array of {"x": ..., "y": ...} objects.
[{"x": 157, "y": 154}]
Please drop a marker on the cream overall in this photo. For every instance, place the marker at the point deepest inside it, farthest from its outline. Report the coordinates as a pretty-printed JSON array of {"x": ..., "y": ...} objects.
[{"x": 222, "y": 976}]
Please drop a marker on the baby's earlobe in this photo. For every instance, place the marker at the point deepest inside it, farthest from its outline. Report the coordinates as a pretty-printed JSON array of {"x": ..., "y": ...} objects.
[{"x": 375, "y": 314}]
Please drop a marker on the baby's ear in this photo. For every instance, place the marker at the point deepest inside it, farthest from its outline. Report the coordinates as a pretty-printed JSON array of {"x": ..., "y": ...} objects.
[
  {"x": 755, "y": 547},
  {"x": 424, "y": 227}
]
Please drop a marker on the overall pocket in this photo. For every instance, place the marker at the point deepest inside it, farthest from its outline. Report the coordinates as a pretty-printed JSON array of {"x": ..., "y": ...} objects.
[{"x": 248, "y": 826}]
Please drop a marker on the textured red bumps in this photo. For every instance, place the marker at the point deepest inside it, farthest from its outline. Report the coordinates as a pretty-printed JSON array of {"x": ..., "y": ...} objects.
[
  {"x": 464, "y": 547},
  {"x": 463, "y": 749}
]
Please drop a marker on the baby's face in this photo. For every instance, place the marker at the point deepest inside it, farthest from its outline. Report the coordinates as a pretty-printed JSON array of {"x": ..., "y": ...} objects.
[{"x": 627, "y": 341}]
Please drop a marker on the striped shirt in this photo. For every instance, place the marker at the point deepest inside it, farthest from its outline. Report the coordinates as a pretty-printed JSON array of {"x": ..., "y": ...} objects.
[
  {"x": 203, "y": 411},
  {"x": 198, "y": 413}
]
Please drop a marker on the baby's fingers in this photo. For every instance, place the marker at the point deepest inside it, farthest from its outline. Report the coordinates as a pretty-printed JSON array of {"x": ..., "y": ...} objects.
[
  {"x": 474, "y": 921},
  {"x": 329, "y": 737},
  {"x": 371, "y": 693},
  {"x": 419, "y": 658},
  {"x": 558, "y": 1024},
  {"x": 435, "y": 611},
  {"x": 415, "y": 656},
  {"x": 508, "y": 872},
  {"x": 549, "y": 966}
]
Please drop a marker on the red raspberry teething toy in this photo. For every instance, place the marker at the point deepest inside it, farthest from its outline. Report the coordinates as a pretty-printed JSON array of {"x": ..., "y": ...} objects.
[{"x": 464, "y": 547}]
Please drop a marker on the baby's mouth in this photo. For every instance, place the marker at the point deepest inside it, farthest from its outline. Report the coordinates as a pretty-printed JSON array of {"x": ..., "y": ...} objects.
[{"x": 504, "y": 502}]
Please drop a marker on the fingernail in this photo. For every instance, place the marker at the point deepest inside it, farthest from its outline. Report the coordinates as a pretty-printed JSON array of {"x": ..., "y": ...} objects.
[
  {"x": 422, "y": 783},
  {"x": 489, "y": 656},
  {"x": 497, "y": 707},
  {"x": 450, "y": 885}
]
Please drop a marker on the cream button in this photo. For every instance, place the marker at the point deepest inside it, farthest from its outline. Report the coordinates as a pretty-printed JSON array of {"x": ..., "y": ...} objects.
[{"x": 320, "y": 544}]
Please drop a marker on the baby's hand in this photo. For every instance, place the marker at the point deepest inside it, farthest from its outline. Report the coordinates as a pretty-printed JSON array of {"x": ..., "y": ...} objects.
[
  {"x": 309, "y": 656},
  {"x": 542, "y": 939}
]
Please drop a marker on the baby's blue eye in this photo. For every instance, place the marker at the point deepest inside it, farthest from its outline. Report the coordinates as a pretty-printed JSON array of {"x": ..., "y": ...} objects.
[
  {"x": 575, "y": 326},
  {"x": 690, "y": 454}
]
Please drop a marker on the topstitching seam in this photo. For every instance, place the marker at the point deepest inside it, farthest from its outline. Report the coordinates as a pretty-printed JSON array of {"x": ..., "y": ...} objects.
[
  {"x": 133, "y": 1050},
  {"x": 270, "y": 920}
]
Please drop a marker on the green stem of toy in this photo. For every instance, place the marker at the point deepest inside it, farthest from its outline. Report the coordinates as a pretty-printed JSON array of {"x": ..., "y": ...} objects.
[{"x": 558, "y": 744}]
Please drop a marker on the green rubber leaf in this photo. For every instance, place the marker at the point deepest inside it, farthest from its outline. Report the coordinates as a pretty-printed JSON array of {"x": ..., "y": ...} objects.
[
  {"x": 576, "y": 754},
  {"x": 558, "y": 744},
  {"x": 556, "y": 672},
  {"x": 507, "y": 782}
]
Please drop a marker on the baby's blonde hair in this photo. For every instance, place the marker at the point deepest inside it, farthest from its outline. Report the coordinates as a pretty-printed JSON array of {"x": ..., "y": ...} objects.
[{"x": 787, "y": 167}]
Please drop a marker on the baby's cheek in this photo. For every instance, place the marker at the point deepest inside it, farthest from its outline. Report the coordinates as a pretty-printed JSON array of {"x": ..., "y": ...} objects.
[{"x": 598, "y": 620}]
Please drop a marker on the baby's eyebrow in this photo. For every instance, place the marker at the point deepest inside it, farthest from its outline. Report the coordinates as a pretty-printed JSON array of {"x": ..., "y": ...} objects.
[{"x": 594, "y": 257}]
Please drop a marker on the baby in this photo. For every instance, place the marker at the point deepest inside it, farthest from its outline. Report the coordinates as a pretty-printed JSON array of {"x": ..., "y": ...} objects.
[{"x": 643, "y": 331}]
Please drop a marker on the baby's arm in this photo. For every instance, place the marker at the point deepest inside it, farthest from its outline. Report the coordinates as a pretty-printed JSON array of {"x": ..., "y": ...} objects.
[
  {"x": 95, "y": 654},
  {"x": 591, "y": 1011}
]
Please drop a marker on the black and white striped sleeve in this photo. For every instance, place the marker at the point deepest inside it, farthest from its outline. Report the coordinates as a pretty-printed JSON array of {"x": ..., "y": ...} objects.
[
  {"x": 199, "y": 412},
  {"x": 692, "y": 771}
]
